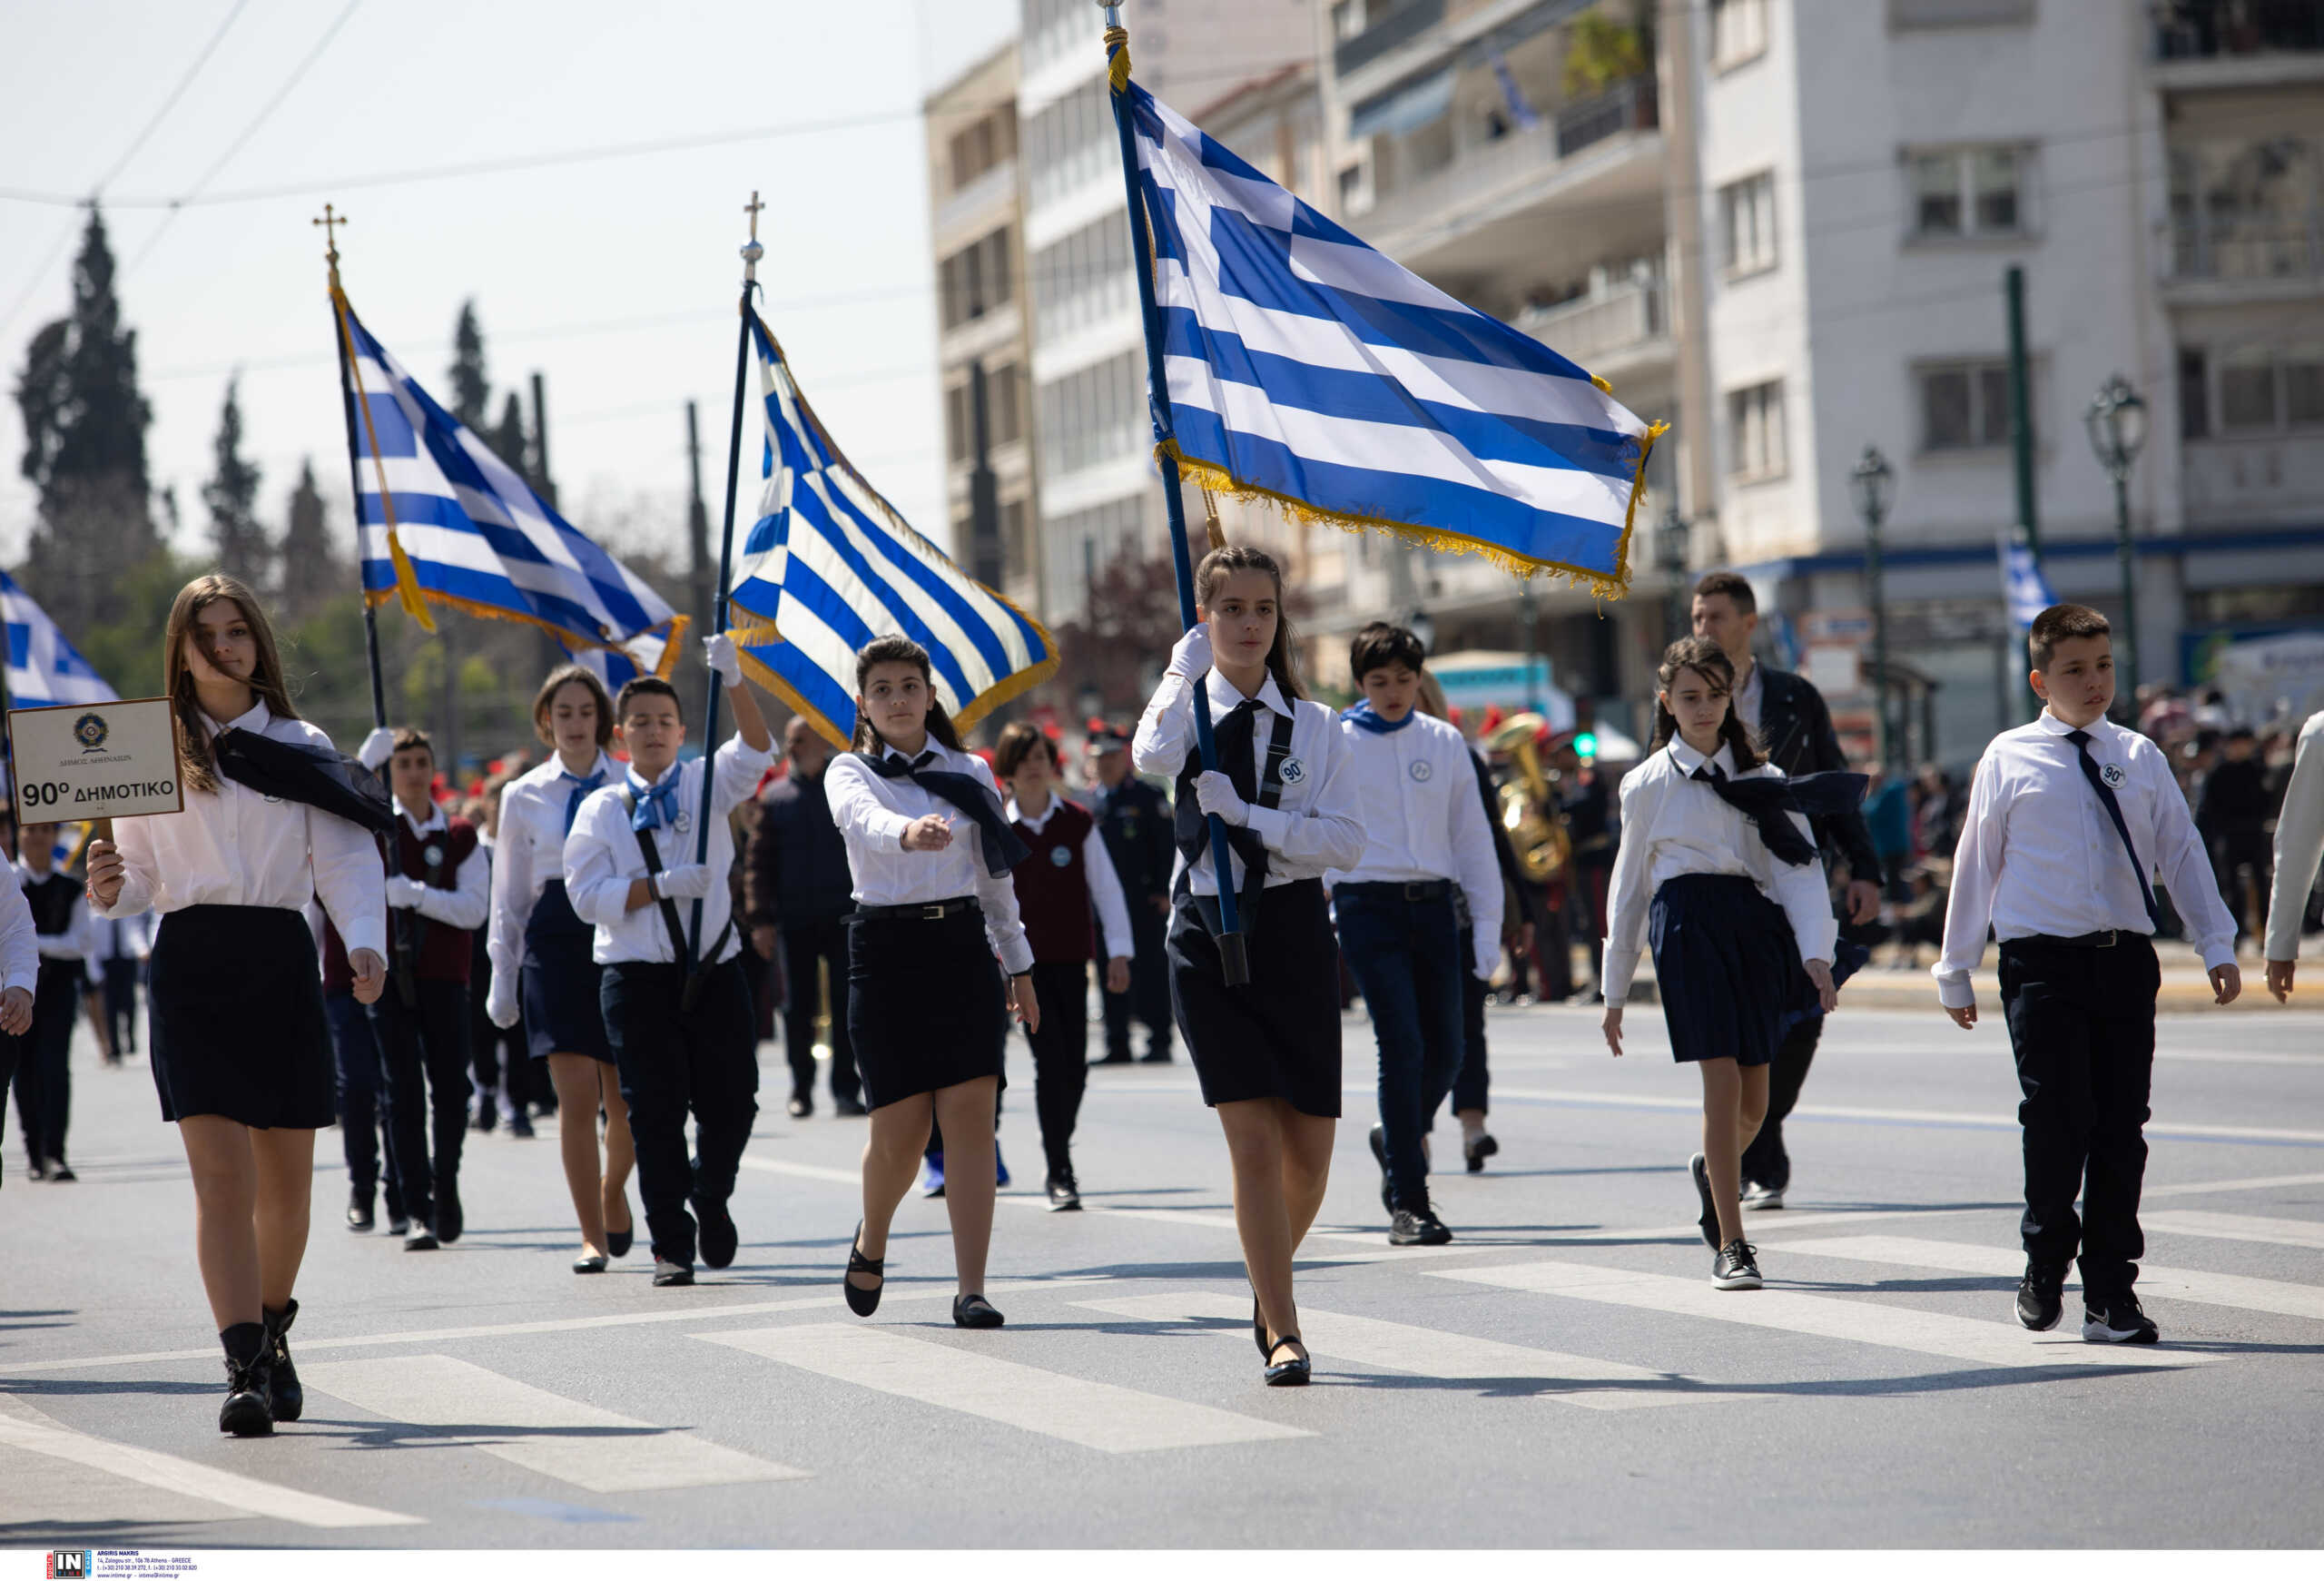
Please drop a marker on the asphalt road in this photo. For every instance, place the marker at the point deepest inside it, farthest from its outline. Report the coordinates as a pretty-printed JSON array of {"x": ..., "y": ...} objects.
[{"x": 1562, "y": 1375}]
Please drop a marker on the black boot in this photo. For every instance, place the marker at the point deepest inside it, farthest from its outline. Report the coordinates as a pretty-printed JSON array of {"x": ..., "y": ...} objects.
[
  {"x": 250, "y": 1372},
  {"x": 283, "y": 1392},
  {"x": 449, "y": 1218}
]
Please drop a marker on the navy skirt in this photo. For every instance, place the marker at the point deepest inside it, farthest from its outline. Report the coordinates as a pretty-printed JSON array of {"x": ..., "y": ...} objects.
[
  {"x": 1279, "y": 1035},
  {"x": 1727, "y": 969},
  {"x": 558, "y": 982},
  {"x": 926, "y": 1006},
  {"x": 236, "y": 1026}
]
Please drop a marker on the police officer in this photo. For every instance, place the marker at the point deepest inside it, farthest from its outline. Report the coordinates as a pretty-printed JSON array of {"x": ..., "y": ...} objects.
[{"x": 1134, "y": 820}]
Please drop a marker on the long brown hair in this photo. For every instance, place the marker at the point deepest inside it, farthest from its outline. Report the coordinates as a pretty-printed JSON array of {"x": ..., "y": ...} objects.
[
  {"x": 899, "y": 650},
  {"x": 1709, "y": 660},
  {"x": 1222, "y": 563},
  {"x": 265, "y": 679},
  {"x": 572, "y": 674}
]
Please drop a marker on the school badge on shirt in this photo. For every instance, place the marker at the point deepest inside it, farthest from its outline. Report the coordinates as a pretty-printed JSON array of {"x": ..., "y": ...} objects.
[
  {"x": 2114, "y": 775},
  {"x": 1421, "y": 771},
  {"x": 1060, "y": 857},
  {"x": 1293, "y": 771}
]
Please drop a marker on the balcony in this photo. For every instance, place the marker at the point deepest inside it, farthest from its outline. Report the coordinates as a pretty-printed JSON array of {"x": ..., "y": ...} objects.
[
  {"x": 2279, "y": 258},
  {"x": 1619, "y": 324},
  {"x": 2237, "y": 44},
  {"x": 1401, "y": 26}
]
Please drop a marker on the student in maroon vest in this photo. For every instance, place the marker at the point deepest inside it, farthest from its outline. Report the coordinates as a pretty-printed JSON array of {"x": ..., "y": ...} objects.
[{"x": 1067, "y": 878}]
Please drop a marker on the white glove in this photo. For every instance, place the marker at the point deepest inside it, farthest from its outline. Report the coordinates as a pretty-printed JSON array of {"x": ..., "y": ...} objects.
[
  {"x": 718, "y": 653},
  {"x": 1488, "y": 957},
  {"x": 691, "y": 882},
  {"x": 403, "y": 893},
  {"x": 1215, "y": 793},
  {"x": 500, "y": 1003},
  {"x": 377, "y": 747},
  {"x": 1190, "y": 660}
]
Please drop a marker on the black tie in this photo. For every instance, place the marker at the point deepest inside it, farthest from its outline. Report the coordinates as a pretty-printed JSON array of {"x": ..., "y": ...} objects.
[
  {"x": 1770, "y": 802},
  {"x": 1001, "y": 848},
  {"x": 1231, "y": 741},
  {"x": 2081, "y": 739}
]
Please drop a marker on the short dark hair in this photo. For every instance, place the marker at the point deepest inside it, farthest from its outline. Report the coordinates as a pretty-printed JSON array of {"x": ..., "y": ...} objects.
[
  {"x": 1734, "y": 585},
  {"x": 412, "y": 738},
  {"x": 2061, "y": 623},
  {"x": 1017, "y": 744},
  {"x": 1379, "y": 646},
  {"x": 647, "y": 686}
]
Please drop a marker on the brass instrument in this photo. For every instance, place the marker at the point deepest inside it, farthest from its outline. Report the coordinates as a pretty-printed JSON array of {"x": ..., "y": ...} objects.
[{"x": 1529, "y": 810}]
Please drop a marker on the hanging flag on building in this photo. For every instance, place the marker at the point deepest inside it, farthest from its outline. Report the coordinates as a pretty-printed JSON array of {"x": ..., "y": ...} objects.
[
  {"x": 830, "y": 565},
  {"x": 443, "y": 520},
  {"x": 1307, "y": 369},
  {"x": 44, "y": 669},
  {"x": 2022, "y": 587}
]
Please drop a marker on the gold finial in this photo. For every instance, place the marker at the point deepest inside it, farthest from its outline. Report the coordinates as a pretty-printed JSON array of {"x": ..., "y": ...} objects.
[{"x": 330, "y": 219}]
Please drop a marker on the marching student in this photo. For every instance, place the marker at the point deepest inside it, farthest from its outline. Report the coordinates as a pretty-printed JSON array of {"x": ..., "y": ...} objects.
[
  {"x": 240, "y": 1050},
  {"x": 1267, "y": 1052},
  {"x": 680, "y": 1021},
  {"x": 1068, "y": 883},
  {"x": 1135, "y": 819},
  {"x": 505, "y": 1075},
  {"x": 931, "y": 851},
  {"x": 543, "y": 962},
  {"x": 1718, "y": 869},
  {"x": 2298, "y": 849},
  {"x": 355, "y": 1058},
  {"x": 1425, "y": 838},
  {"x": 115, "y": 966},
  {"x": 2069, "y": 820},
  {"x": 20, "y": 966},
  {"x": 66, "y": 938}
]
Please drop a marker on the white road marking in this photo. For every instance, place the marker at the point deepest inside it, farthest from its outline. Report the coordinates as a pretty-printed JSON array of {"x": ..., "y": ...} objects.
[
  {"x": 1827, "y": 1316},
  {"x": 23, "y": 1427},
  {"x": 547, "y": 1433},
  {"x": 803, "y": 1172},
  {"x": 2253, "y": 1184},
  {"x": 2178, "y": 1284},
  {"x": 2238, "y": 1227},
  {"x": 1096, "y": 1416},
  {"x": 1432, "y": 1353}
]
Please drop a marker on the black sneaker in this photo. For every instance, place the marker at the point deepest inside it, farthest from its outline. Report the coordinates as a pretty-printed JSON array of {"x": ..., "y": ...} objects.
[
  {"x": 451, "y": 1219},
  {"x": 848, "y": 1108},
  {"x": 58, "y": 1169},
  {"x": 1421, "y": 1227},
  {"x": 2117, "y": 1321},
  {"x": 671, "y": 1273},
  {"x": 1736, "y": 1267},
  {"x": 1154, "y": 1057},
  {"x": 1064, "y": 1196},
  {"x": 2041, "y": 1298},
  {"x": 418, "y": 1237},
  {"x": 360, "y": 1219},
  {"x": 719, "y": 1237},
  {"x": 1760, "y": 1199},
  {"x": 1700, "y": 1167},
  {"x": 800, "y": 1107},
  {"x": 486, "y": 1116},
  {"x": 1379, "y": 1139}
]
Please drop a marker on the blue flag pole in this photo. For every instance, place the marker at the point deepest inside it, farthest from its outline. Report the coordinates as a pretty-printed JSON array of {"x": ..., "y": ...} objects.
[{"x": 1234, "y": 953}]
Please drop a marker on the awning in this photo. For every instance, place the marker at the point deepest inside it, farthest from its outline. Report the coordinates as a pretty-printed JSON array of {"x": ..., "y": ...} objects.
[{"x": 1404, "y": 108}]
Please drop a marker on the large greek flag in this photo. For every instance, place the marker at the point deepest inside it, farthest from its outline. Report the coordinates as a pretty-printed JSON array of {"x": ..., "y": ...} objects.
[
  {"x": 1307, "y": 369},
  {"x": 444, "y": 521},
  {"x": 44, "y": 669},
  {"x": 830, "y": 565}
]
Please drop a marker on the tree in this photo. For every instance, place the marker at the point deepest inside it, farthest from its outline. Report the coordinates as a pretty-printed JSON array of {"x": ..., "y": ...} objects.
[
  {"x": 1129, "y": 627},
  {"x": 507, "y": 440},
  {"x": 311, "y": 572},
  {"x": 471, "y": 390},
  {"x": 231, "y": 495}
]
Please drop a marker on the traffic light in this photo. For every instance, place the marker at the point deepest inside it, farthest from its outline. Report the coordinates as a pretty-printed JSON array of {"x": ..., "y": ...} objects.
[{"x": 1585, "y": 745}]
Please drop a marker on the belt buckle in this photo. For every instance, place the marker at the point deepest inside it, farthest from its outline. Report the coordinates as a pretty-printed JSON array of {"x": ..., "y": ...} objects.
[
  {"x": 2108, "y": 936},
  {"x": 932, "y": 914},
  {"x": 1415, "y": 892}
]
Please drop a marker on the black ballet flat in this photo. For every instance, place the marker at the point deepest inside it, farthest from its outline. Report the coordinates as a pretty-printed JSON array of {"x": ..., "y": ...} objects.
[
  {"x": 1258, "y": 1326},
  {"x": 618, "y": 1241},
  {"x": 1295, "y": 1373},
  {"x": 975, "y": 1312},
  {"x": 860, "y": 1302},
  {"x": 589, "y": 1262}
]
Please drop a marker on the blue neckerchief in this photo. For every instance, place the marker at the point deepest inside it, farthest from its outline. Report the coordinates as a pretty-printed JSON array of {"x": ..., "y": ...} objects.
[
  {"x": 1364, "y": 718},
  {"x": 656, "y": 804},
  {"x": 581, "y": 789}
]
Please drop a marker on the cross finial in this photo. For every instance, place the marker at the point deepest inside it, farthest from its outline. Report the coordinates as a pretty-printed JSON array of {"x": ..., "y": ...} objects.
[
  {"x": 752, "y": 209},
  {"x": 330, "y": 219}
]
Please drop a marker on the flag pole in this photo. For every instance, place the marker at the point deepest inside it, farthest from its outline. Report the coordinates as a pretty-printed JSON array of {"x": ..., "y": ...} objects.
[
  {"x": 752, "y": 253},
  {"x": 330, "y": 219},
  {"x": 1233, "y": 956}
]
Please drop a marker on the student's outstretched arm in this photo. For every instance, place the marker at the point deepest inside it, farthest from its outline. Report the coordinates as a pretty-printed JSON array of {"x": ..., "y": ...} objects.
[{"x": 2185, "y": 866}]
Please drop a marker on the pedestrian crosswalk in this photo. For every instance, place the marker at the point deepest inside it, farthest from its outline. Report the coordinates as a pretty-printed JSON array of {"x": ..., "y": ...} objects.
[
  {"x": 2305, "y": 1232},
  {"x": 2155, "y": 1281}
]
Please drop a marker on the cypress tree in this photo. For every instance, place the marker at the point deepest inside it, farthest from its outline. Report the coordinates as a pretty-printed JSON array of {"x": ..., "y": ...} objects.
[
  {"x": 231, "y": 495},
  {"x": 471, "y": 390},
  {"x": 311, "y": 572}
]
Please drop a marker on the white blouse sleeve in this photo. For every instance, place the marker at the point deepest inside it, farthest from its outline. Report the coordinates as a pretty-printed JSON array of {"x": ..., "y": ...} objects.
[
  {"x": 1801, "y": 892},
  {"x": 348, "y": 880},
  {"x": 1166, "y": 734},
  {"x": 141, "y": 875},
  {"x": 1626, "y": 888},
  {"x": 1106, "y": 894},
  {"x": 1327, "y": 831},
  {"x": 512, "y": 892},
  {"x": 861, "y": 817},
  {"x": 19, "y": 937},
  {"x": 1002, "y": 928}
]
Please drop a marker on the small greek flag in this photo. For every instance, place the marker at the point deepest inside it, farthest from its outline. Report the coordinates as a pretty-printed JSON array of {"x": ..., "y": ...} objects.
[
  {"x": 1307, "y": 369},
  {"x": 2022, "y": 587},
  {"x": 444, "y": 521},
  {"x": 45, "y": 670},
  {"x": 830, "y": 565}
]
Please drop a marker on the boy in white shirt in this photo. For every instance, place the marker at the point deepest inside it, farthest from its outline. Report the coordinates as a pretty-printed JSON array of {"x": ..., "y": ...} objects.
[{"x": 2069, "y": 818}]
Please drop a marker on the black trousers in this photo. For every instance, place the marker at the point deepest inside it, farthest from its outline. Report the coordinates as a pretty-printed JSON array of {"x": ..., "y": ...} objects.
[
  {"x": 355, "y": 1047},
  {"x": 1765, "y": 1161},
  {"x": 1149, "y": 999},
  {"x": 806, "y": 947},
  {"x": 675, "y": 1061},
  {"x": 1470, "y": 1086},
  {"x": 1060, "y": 1056},
  {"x": 43, "y": 1068},
  {"x": 2082, "y": 1026},
  {"x": 7, "y": 1079},
  {"x": 121, "y": 1002},
  {"x": 424, "y": 1061}
]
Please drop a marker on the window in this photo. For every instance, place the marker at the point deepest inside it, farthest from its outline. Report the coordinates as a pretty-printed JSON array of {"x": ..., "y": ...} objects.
[
  {"x": 976, "y": 280},
  {"x": 1003, "y": 405},
  {"x": 1964, "y": 405},
  {"x": 981, "y": 147},
  {"x": 960, "y": 431},
  {"x": 1746, "y": 214},
  {"x": 1070, "y": 143},
  {"x": 1905, "y": 15},
  {"x": 2247, "y": 390},
  {"x": 1967, "y": 191},
  {"x": 1738, "y": 32},
  {"x": 1094, "y": 415},
  {"x": 1755, "y": 431},
  {"x": 1083, "y": 279},
  {"x": 2265, "y": 389},
  {"x": 2194, "y": 394},
  {"x": 1347, "y": 19}
]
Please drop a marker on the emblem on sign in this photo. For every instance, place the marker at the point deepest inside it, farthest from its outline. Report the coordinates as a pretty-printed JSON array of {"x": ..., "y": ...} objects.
[
  {"x": 2114, "y": 775},
  {"x": 1421, "y": 771},
  {"x": 1293, "y": 771},
  {"x": 91, "y": 730},
  {"x": 1060, "y": 857}
]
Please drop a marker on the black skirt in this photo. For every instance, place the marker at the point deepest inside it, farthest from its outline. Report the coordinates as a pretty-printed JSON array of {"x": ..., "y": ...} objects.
[
  {"x": 560, "y": 981},
  {"x": 236, "y": 1023},
  {"x": 926, "y": 1006},
  {"x": 1727, "y": 967},
  {"x": 1278, "y": 1036}
]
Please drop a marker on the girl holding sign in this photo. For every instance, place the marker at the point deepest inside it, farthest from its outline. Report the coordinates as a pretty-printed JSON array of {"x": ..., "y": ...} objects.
[{"x": 240, "y": 1049}]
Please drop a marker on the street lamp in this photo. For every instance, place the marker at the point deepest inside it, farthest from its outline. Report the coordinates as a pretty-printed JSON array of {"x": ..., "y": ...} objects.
[
  {"x": 2117, "y": 423},
  {"x": 1869, "y": 482},
  {"x": 1671, "y": 559}
]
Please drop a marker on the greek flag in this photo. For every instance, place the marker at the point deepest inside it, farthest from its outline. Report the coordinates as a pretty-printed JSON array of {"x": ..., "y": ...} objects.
[
  {"x": 45, "y": 670},
  {"x": 2022, "y": 587},
  {"x": 1307, "y": 369},
  {"x": 830, "y": 565},
  {"x": 444, "y": 521}
]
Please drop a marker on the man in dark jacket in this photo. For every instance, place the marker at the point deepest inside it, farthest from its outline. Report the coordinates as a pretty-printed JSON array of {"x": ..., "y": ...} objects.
[
  {"x": 1787, "y": 717},
  {"x": 798, "y": 887},
  {"x": 1135, "y": 821}
]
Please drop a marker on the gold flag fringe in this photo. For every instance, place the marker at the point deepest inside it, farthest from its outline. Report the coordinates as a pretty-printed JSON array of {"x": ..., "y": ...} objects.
[{"x": 678, "y": 624}]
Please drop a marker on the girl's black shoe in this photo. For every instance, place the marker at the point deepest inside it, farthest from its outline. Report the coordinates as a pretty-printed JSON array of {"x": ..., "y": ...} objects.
[
  {"x": 249, "y": 1374},
  {"x": 618, "y": 1241},
  {"x": 284, "y": 1394},
  {"x": 1294, "y": 1371},
  {"x": 1258, "y": 1326},
  {"x": 860, "y": 1302},
  {"x": 975, "y": 1312}
]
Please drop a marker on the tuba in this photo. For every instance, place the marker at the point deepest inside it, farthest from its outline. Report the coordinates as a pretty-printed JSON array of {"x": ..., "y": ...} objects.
[{"x": 1529, "y": 812}]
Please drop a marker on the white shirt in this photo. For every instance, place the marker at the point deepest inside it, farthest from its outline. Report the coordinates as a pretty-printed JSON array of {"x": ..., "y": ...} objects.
[
  {"x": 19, "y": 942},
  {"x": 233, "y": 846},
  {"x": 873, "y": 814},
  {"x": 1672, "y": 825},
  {"x": 2039, "y": 854},
  {"x": 1423, "y": 819},
  {"x": 2299, "y": 842},
  {"x": 1317, "y": 826},
  {"x": 463, "y": 905},
  {"x": 1105, "y": 883},
  {"x": 1748, "y": 698},
  {"x": 530, "y": 852},
  {"x": 78, "y": 941},
  {"x": 602, "y": 859},
  {"x": 115, "y": 939}
]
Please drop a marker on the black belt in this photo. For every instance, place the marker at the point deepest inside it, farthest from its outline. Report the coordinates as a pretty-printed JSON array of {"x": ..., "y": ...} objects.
[
  {"x": 1424, "y": 889},
  {"x": 934, "y": 912},
  {"x": 2103, "y": 939}
]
